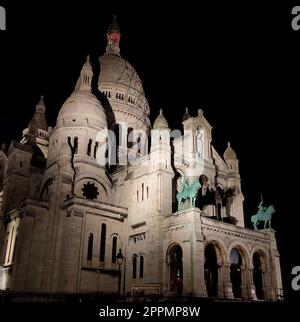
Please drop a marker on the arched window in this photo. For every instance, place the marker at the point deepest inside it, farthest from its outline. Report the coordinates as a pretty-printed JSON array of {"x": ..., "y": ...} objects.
[
  {"x": 137, "y": 196},
  {"x": 10, "y": 243},
  {"x": 175, "y": 269},
  {"x": 129, "y": 137},
  {"x": 211, "y": 270},
  {"x": 89, "y": 147},
  {"x": 235, "y": 272},
  {"x": 142, "y": 192},
  {"x": 96, "y": 149},
  {"x": 219, "y": 212},
  {"x": 114, "y": 249},
  {"x": 257, "y": 275},
  {"x": 90, "y": 247},
  {"x": 117, "y": 133},
  {"x": 141, "y": 266},
  {"x": 102, "y": 243},
  {"x": 14, "y": 250},
  {"x": 147, "y": 192},
  {"x": 75, "y": 145},
  {"x": 134, "y": 263}
]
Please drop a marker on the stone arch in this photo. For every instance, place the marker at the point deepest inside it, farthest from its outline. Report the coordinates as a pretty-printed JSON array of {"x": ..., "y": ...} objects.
[
  {"x": 239, "y": 261},
  {"x": 220, "y": 249},
  {"x": 44, "y": 193},
  {"x": 265, "y": 256},
  {"x": 244, "y": 253},
  {"x": 174, "y": 261},
  {"x": 260, "y": 269},
  {"x": 215, "y": 256}
]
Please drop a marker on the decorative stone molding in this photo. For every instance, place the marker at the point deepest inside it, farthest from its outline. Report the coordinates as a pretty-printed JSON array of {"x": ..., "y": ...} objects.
[
  {"x": 137, "y": 237},
  {"x": 234, "y": 235}
]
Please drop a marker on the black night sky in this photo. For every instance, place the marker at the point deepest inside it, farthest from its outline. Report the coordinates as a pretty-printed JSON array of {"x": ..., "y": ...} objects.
[{"x": 237, "y": 62}]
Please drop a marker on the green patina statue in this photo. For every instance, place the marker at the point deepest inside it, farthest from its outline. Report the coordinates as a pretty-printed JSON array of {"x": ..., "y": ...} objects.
[
  {"x": 263, "y": 214},
  {"x": 188, "y": 192}
]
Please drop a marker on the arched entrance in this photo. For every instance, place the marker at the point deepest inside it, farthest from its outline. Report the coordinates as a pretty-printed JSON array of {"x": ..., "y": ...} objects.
[
  {"x": 258, "y": 274},
  {"x": 175, "y": 270},
  {"x": 235, "y": 272},
  {"x": 211, "y": 270}
]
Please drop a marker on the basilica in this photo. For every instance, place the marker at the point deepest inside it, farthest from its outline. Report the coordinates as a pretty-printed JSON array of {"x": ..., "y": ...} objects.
[{"x": 107, "y": 203}]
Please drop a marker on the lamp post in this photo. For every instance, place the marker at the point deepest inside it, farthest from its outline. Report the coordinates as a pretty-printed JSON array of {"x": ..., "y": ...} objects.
[{"x": 119, "y": 259}]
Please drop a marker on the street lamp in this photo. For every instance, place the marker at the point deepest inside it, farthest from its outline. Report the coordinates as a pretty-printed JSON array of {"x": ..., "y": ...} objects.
[{"x": 119, "y": 259}]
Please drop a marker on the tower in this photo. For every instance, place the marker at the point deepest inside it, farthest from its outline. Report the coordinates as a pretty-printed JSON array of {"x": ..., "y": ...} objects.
[
  {"x": 81, "y": 123},
  {"x": 235, "y": 201},
  {"x": 38, "y": 129},
  {"x": 160, "y": 176},
  {"x": 126, "y": 106},
  {"x": 75, "y": 174}
]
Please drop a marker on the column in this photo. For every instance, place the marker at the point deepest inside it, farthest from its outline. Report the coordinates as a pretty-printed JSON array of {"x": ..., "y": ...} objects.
[
  {"x": 227, "y": 283},
  {"x": 245, "y": 283},
  {"x": 220, "y": 291},
  {"x": 252, "y": 291}
]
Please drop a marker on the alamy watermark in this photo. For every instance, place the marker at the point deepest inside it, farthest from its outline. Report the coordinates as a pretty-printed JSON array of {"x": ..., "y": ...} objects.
[
  {"x": 296, "y": 279},
  {"x": 167, "y": 148},
  {"x": 296, "y": 20},
  {"x": 2, "y": 18}
]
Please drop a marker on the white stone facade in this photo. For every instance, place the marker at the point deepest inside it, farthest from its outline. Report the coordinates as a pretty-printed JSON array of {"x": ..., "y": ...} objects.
[{"x": 65, "y": 213}]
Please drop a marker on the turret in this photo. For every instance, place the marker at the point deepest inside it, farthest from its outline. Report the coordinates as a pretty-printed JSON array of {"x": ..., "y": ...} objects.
[
  {"x": 38, "y": 131},
  {"x": 160, "y": 157},
  {"x": 160, "y": 141},
  {"x": 231, "y": 159},
  {"x": 235, "y": 199},
  {"x": 113, "y": 38}
]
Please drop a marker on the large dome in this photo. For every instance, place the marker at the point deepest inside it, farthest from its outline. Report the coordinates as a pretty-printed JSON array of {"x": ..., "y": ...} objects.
[
  {"x": 116, "y": 70},
  {"x": 126, "y": 102}
]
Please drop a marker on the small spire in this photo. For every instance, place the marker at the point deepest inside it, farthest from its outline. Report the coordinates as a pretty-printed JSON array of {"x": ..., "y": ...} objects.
[
  {"x": 114, "y": 26},
  {"x": 84, "y": 82},
  {"x": 200, "y": 112},
  {"x": 228, "y": 144},
  {"x": 40, "y": 107},
  {"x": 186, "y": 116},
  {"x": 161, "y": 111},
  {"x": 113, "y": 37}
]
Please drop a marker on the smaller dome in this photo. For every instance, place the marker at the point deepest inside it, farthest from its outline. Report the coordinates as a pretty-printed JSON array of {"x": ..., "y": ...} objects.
[
  {"x": 160, "y": 122},
  {"x": 82, "y": 107},
  {"x": 229, "y": 153}
]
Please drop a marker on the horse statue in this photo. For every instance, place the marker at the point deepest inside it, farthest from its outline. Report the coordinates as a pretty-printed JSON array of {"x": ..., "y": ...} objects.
[
  {"x": 263, "y": 214},
  {"x": 188, "y": 192}
]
